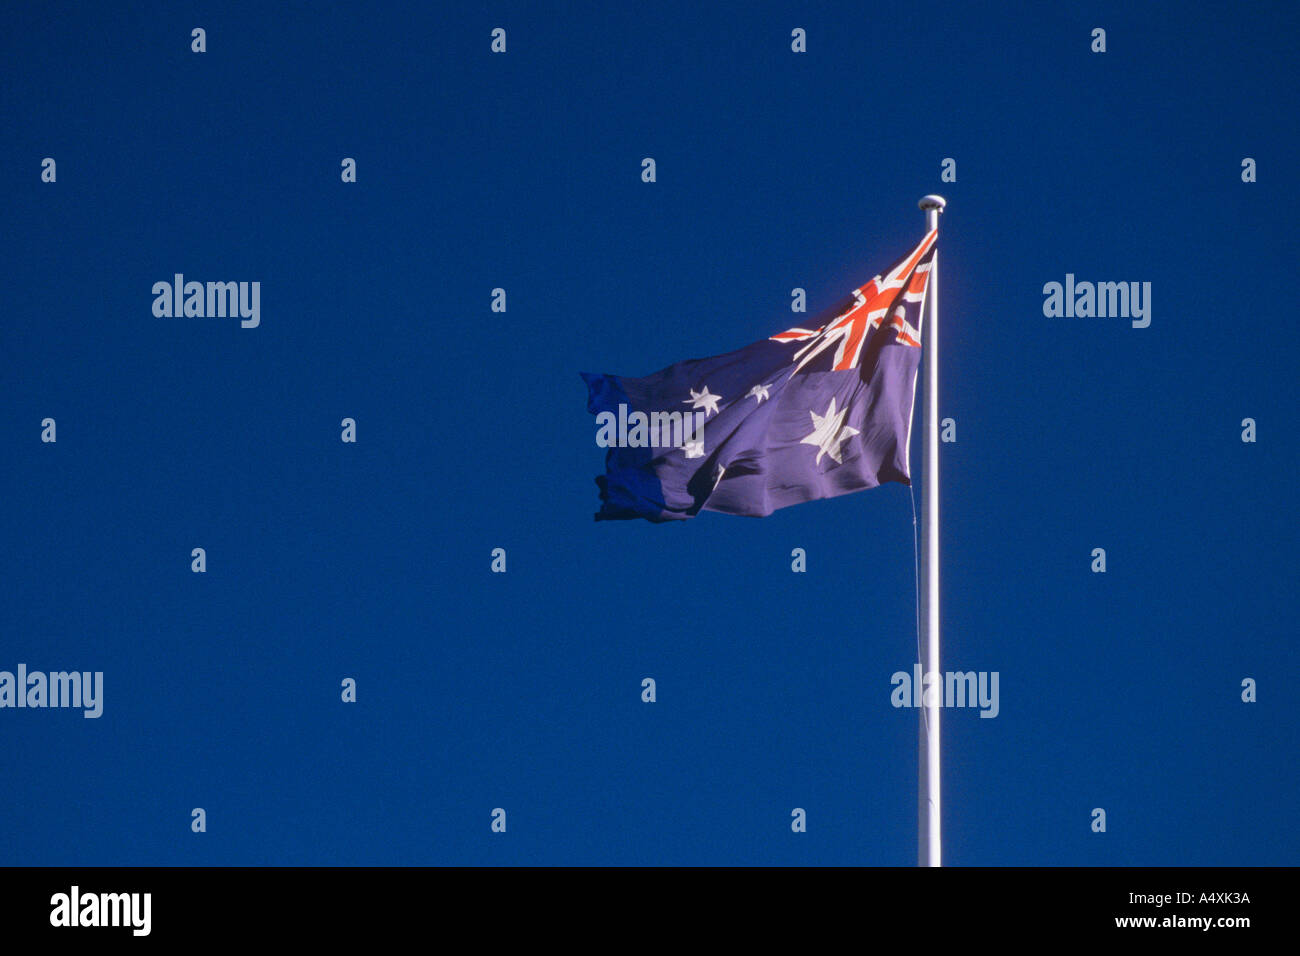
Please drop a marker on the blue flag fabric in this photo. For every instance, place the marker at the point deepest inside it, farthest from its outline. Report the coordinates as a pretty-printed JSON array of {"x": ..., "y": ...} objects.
[{"x": 805, "y": 414}]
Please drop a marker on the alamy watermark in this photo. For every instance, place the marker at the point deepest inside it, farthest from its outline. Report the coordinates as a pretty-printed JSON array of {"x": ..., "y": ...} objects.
[
  {"x": 1124, "y": 300},
  {"x": 209, "y": 300},
  {"x": 75, "y": 908},
  {"x": 652, "y": 430},
  {"x": 958, "y": 688},
  {"x": 82, "y": 689}
]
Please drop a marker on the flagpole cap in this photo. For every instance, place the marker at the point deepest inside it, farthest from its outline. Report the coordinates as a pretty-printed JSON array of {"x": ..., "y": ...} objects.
[{"x": 932, "y": 202}]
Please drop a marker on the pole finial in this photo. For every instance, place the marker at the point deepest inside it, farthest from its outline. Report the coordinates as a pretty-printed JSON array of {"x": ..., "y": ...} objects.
[{"x": 932, "y": 202}]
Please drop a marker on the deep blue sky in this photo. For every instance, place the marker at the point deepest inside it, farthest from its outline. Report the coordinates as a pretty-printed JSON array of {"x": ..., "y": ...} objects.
[{"x": 522, "y": 690}]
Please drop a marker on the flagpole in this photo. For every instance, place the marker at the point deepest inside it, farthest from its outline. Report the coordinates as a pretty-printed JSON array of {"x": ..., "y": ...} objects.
[{"x": 929, "y": 844}]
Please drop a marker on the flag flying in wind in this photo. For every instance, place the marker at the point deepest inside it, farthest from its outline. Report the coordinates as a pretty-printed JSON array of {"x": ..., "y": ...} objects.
[{"x": 805, "y": 414}]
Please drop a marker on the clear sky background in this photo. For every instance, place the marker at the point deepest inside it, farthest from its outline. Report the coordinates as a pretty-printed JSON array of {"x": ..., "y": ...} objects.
[{"x": 522, "y": 690}]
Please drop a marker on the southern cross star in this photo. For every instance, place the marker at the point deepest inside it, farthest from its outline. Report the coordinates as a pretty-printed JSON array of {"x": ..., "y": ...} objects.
[
  {"x": 759, "y": 392},
  {"x": 702, "y": 399},
  {"x": 829, "y": 433}
]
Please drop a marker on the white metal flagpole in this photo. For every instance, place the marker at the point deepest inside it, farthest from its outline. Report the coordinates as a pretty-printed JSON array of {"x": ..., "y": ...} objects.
[{"x": 931, "y": 696}]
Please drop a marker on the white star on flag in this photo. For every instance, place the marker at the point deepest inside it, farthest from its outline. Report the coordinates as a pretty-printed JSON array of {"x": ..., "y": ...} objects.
[
  {"x": 694, "y": 449},
  {"x": 704, "y": 400},
  {"x": 829, "y": 433},
  {"x": 759, "y": 392}
]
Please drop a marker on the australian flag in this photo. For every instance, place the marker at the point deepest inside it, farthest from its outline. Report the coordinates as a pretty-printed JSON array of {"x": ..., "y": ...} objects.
[{"x": 806, "y": 414}]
